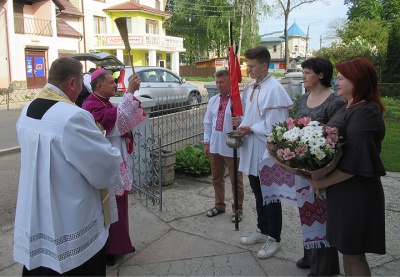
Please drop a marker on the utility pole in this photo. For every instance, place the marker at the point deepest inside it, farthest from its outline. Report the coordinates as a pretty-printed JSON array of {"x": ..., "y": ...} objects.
[
  {"x": 241, "y": 30},
  {"x": 320, "y": 42},
  {"x": 308, "y": 37}
]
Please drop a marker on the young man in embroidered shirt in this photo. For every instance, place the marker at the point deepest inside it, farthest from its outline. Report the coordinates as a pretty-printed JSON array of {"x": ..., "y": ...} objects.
[
  {"x": 265, "y": 103},
  {"x": 217, "y": 123}
]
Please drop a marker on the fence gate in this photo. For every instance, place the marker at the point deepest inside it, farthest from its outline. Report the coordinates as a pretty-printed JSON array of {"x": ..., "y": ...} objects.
[{"x": 146, "y": 166}]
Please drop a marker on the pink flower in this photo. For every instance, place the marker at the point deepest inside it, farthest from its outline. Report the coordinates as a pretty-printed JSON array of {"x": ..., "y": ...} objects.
[
  {"x": 332, "y": 137},
  {"x": 280, "y": 153},
  {"x": 300, "y": 150},
  {"x": 330, "y": 143},
  {"x": 304, "y": 120},
  {"x": 287, "y": 154},
  {"x": 290, "y": 123}
]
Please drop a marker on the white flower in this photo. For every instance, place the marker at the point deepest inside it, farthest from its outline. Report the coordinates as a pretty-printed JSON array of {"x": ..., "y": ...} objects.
[
  {"x": 270, "y": 138},
  {"x": 293, "y": 134},
  {"x": 313, "y": 124},
  {"x": 318, "y": 152}
]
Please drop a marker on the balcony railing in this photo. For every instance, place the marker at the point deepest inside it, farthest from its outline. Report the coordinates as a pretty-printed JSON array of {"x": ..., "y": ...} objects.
[
  {"x": 142, "y": 40},
  {"x": 32, "y": 26}
]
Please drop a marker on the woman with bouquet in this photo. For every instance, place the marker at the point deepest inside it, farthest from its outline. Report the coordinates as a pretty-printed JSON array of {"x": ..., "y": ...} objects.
[
  {"x": 355, "y": 197},
  {"x": 320, "y": 103}
]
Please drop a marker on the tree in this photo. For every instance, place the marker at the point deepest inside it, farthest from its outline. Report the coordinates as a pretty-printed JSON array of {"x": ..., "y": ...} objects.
[
  {"x": 385, "y": 9},
  {"x": 203, "y": 24},
  {"x": 374, "y": 31},
  {"x": 286, "y": 6},
  {"x": 392, "y": 66},
  {"x": 358, "y": 47}
]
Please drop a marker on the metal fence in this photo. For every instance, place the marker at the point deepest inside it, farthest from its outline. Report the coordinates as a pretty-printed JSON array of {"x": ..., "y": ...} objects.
[
  {"x": 179, "y": 127},
  {"x": 389, "y": 89}
]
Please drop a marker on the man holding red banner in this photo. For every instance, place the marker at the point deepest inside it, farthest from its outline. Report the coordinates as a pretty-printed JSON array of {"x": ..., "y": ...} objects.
[{"x": 217, "y": 123}]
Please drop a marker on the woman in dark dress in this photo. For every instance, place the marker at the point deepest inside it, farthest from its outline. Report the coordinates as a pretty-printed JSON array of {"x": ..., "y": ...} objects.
[
  {"x": 355, "y": 198},
  {"x": 320, "y": 104}
]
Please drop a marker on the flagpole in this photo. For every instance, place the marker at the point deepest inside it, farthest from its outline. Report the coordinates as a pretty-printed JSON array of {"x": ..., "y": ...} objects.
[{"x": 235, "y": 165}]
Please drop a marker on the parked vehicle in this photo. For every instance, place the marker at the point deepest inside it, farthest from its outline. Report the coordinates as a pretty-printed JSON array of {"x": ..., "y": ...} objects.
[
  {"x": 103, "y": 59},
  {"x": 292, "y": 70},
  {"x": 157, "y": 83},
  {"x": 161, "y": 84}
]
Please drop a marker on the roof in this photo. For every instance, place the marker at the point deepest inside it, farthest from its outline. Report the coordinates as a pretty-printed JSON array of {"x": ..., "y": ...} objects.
[
  {"x": 64, "y": 30},
  {"x": 131, "y": 6},
  {"x": 295, "y": 31},
  {"x": 279, "y": 39},
  {"x": 67, "y": 8}
]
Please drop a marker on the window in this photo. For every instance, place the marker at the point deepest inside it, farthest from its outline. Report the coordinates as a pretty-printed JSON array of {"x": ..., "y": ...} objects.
[
  {"x": 99, "y": 25},
  {"x": 168, "y": 77},
  {"x": 296, "y": 48},
  {"x": 157, "y": 5},
  {"x": 152, "y": 26},
  {"x": 102, "y": 1},
  {"x": 129, "y": 24},
  {"x": 274, "y": 48}
]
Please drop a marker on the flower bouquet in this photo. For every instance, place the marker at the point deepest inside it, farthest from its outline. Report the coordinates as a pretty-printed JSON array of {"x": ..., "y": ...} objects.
[{"x": 306, "y": 148}]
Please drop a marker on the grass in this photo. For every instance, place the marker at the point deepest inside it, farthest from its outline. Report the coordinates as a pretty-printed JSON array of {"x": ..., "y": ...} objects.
[
  {"x": 200, "y": 79},
  {"x": 390, "y": 154}
]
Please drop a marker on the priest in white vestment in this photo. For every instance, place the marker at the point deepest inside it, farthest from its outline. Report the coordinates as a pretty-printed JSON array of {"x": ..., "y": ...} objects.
[{"x": 61, "y": 224}]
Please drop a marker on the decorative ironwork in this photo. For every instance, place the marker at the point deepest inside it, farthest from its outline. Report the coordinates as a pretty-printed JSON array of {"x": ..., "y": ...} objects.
[
  {"x": 146, "y": 166},
  {"x": 33, "y": 26}
]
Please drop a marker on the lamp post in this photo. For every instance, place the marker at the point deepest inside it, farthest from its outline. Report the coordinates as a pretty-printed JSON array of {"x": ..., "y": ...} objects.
[{"x": 307, "y": 37}]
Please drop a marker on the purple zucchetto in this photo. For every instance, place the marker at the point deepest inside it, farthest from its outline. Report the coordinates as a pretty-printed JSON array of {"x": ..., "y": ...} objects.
[{"x": 97, "y": 73}]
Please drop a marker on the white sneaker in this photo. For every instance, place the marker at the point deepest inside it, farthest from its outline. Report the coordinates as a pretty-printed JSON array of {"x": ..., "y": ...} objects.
[
  {"x": 269, "y": 249},
  {"x": 254, "y": 238}
]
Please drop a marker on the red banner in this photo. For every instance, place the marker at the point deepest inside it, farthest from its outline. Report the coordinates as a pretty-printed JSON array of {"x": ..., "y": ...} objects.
[{"x": 235, "y": 77}]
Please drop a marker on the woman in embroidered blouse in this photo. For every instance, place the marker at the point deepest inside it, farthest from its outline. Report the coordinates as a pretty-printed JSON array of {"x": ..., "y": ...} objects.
[
  {"x": 356, "y": 201},
  {"x": 320, "y": 103}
]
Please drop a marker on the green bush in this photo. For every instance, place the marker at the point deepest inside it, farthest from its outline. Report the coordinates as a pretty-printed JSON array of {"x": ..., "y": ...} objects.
[{"x": 192, "y": 161}]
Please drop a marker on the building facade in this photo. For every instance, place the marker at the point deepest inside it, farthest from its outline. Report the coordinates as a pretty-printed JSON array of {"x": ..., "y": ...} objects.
[
  {"x": 37, "y": 32},
  {"x": 275, "y": 43}
]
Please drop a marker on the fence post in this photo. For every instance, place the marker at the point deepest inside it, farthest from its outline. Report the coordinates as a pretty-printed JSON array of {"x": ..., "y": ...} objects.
[{"x": 9, "y": 90}]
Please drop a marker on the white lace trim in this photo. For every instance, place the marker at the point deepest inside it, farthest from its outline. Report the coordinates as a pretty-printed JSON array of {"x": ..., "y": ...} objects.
[
  {"x": 53, "y": 244},
  {"x": 129, "y": 114}
]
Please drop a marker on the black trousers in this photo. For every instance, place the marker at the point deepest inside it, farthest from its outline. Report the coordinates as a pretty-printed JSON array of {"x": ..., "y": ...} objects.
[
  {"x": 95, "y": 266},
  {"x": 269, "y": 217}
]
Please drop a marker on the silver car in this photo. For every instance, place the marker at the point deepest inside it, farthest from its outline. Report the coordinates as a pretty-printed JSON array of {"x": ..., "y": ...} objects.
[{"x": 161, "y": 84}]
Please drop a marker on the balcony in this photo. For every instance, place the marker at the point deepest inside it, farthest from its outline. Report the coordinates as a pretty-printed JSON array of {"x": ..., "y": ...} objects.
[
  {"x": 32, "y": 26},
  {"x": 143, "y": 41}
]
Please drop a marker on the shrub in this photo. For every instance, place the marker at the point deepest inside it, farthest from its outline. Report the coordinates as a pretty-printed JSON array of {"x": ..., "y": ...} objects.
[{"x": 192, "y": 161}]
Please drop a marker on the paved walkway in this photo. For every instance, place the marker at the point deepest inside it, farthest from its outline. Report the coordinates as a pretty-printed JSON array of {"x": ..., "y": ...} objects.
[{"x": 182, "y": 241}]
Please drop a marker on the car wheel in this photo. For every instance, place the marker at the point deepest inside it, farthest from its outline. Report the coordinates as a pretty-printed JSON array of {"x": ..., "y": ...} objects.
[{"x": 193, "y": 100}]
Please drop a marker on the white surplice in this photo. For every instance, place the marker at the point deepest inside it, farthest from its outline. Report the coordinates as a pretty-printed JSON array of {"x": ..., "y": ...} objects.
[
  {"x": 269, "y": 105},
  {"x": 65, "y": 161}
]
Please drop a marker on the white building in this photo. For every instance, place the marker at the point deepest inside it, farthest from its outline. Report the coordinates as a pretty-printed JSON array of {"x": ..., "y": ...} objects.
[
  {"x": 36, "y": 32},
  {"x": 275, "y": 43}
]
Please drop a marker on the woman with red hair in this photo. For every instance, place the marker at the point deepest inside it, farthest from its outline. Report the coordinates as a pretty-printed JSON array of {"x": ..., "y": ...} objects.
[{"x": 355, "y": 197}]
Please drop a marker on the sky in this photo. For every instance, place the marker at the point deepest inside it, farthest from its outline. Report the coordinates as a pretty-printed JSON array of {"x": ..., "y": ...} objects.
[{"x": 316, "y": 16}]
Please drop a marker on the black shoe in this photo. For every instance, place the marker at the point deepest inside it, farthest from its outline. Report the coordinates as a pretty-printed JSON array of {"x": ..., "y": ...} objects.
[
  {"x": 133, "y": 249},
  {"x": 302, "y": 265},
  {"x": 110, "y": 260}
]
